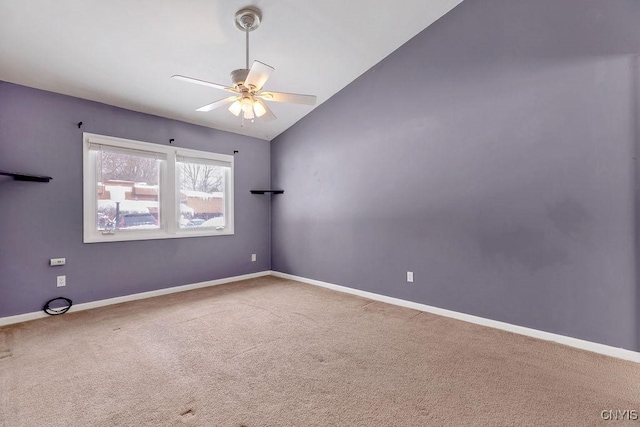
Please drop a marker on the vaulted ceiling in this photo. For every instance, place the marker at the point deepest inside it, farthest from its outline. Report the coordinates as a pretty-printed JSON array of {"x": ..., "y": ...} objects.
[{"x": 123, "y": 52}]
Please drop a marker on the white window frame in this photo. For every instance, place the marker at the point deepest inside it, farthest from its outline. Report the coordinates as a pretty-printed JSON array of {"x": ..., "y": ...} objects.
[{"x": 169, "y": 192}]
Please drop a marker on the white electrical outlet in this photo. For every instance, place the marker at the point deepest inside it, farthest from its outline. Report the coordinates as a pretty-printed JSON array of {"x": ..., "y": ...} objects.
[
  {"x": 57, "y": 261},
  {"x": 61, "y": 281},
  {"x": 410, "y": 276},
  {"x": 253, "y": 257}
]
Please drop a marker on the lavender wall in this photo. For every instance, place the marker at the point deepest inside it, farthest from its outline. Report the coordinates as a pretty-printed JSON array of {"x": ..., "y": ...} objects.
[
  {"x": 38, "y": 134},
  {"x": 493, "y": 156}
]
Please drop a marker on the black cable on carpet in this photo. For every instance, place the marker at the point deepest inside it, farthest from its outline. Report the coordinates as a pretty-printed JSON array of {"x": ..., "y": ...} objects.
[{"x": 55, "y": 311}]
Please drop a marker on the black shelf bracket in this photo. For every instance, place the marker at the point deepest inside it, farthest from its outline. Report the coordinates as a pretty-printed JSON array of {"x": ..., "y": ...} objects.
[
  {"x": 26, "y": 177},
  {"x": 267, "y": 191}
]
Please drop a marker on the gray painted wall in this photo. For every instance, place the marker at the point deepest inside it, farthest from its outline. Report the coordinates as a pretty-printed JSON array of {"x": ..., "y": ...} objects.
[
  {"x": 38, "y": 134},
  {"x": 493, "y": 156}
]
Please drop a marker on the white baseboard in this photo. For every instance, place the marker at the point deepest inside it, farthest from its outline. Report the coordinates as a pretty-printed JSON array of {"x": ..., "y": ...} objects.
[
  {"x": 607, "y": 350},
  {"x": 616, "y": 352},
  {"x": 117, "y": 300}
]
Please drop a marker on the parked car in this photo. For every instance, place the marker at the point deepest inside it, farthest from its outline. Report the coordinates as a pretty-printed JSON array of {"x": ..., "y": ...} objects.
[
  {"x": 138, "y": 220},
  {"x": 196, "y": 222}
]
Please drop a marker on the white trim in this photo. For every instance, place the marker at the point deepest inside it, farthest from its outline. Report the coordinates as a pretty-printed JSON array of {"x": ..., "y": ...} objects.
[
  {"x": 607, "y": 350},
  {"x": 117, "y": 300}
]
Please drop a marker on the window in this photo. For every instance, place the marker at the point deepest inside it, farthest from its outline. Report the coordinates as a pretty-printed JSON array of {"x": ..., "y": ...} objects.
[
  {"x": 136, "y": 191},
  {"x": 200, "y": 182}
]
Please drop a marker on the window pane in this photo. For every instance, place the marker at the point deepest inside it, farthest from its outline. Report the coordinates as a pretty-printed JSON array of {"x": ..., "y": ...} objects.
[
  {"x": 128, "y": 190},
  {"x": 201, "y": 194}
]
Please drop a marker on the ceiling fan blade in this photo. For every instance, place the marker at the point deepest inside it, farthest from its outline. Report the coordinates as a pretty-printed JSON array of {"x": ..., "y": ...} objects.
[
  {"x": 218, "y": 104},
  {"x": 258, "y": 74},
  {"x": 294, "y": 98},
  {"x": 268, "y": 115},
  {"x": 203, "y": 83}
]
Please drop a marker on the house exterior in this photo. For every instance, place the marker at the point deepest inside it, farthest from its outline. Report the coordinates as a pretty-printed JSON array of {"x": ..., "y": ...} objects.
[{"x": 139, "y": 197}]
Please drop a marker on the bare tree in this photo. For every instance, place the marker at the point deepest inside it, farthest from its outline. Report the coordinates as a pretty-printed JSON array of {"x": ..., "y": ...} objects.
[
  {"x": 200, "y": 177},
  {"x": 128, "y": 168},
  {"x": 125, "y": 167}
]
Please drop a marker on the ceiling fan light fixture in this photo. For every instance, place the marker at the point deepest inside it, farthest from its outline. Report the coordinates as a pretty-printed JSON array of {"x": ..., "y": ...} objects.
[
  {"x": 236, "y": 108},
  {"x": 259, "y": 109},
  {"x": 249, "y": 115},
  {"x": 246, "y": 104}
]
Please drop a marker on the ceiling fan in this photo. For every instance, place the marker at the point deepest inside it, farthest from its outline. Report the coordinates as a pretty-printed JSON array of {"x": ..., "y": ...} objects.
[{"x": 248, "y": 83}]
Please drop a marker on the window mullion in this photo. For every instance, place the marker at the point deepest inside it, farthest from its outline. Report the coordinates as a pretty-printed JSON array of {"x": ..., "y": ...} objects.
[{"x": 170, "y": 201}]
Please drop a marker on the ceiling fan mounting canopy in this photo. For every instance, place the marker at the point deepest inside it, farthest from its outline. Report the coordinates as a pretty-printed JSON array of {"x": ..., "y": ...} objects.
[
  {"x": 248, "y": 19},
  {"x": 248, "y": 83}
]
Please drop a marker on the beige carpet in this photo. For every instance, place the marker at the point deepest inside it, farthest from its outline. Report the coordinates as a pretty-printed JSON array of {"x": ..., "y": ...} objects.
[{"x": 272, "y": 352}]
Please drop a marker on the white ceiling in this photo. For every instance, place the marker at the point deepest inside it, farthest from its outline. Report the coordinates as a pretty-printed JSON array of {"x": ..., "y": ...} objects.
[{"x": 123, "y": 52}]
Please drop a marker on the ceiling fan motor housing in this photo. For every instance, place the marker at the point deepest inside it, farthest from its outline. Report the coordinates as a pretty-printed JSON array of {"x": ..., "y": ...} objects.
[{"x": 239, "y": 76}]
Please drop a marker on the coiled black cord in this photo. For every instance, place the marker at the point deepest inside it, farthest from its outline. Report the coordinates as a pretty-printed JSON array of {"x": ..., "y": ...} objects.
[{"x": 55, "y": 311}]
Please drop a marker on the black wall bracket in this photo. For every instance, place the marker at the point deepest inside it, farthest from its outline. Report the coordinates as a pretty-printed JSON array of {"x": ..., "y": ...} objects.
[
  {"x": 267, "y": 191},
  {"x": 26, "y": 177}
]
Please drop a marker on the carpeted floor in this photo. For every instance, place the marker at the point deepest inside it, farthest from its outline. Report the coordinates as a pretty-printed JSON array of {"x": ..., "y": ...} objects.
[{"x": 272, "y": 352}]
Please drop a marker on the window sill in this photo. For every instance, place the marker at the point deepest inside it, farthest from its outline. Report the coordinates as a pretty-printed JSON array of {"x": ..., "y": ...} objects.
[{"x": 124, "y": 236}]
